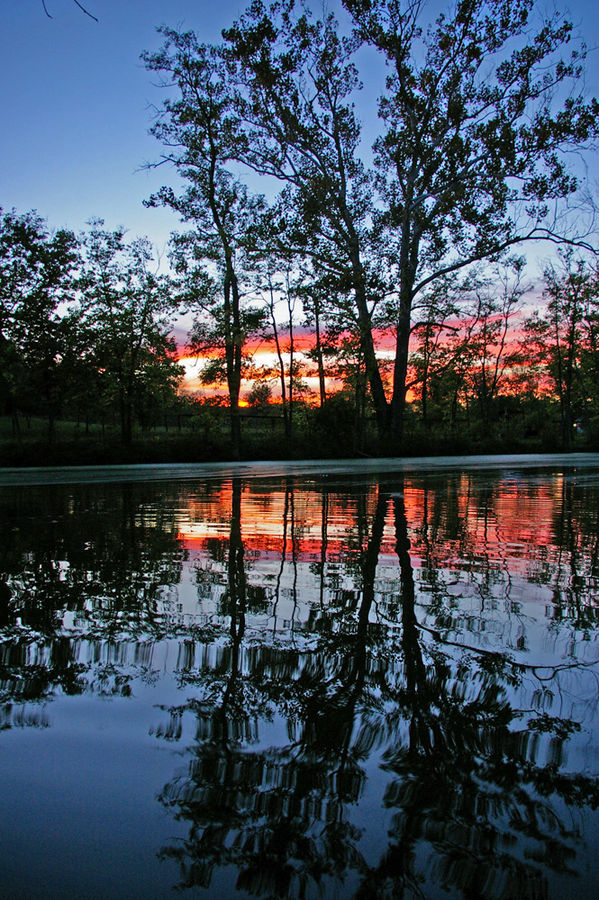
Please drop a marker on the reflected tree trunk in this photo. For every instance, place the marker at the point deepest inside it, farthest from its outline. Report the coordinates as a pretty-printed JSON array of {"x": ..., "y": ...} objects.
[
  {"x": 415, "y": 669},
  {"x": 277, "y": 592},
  {"x": 294, "y": 554},
  {"x": 324, "y": 520},
  {"x": 236, "y": 572}
]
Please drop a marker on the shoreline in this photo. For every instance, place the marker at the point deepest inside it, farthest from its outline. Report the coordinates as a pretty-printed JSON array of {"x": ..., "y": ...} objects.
[{"x": 131, "y": 472}]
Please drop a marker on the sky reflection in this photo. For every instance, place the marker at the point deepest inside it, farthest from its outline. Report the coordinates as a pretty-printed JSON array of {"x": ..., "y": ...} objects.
[{"x": 290, "y": 685}]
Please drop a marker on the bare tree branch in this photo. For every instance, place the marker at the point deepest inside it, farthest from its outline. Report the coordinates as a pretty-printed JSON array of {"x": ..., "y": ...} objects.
[
  {"x": 76, "y": 2},
  {"x": 83, "y": 9}
]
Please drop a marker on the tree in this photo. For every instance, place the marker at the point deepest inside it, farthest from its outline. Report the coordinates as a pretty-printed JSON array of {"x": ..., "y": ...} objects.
[
  {"x": 563, "y": 339},
  {"x": 472, "y": 156},
  {"x": 127, "y": 309},
  {"x": 293, "y": 82},
  {"x": 36, "y": 279},
  {"x": 476, "y": 117},
  {"x": 198, "y": 130}
]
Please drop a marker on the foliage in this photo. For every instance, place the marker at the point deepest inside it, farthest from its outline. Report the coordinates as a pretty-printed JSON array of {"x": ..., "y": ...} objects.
[
  {"x": 84, "y": 325},
  {"x": 36, "y": 280},
  {"x": 127, "y": 310}
]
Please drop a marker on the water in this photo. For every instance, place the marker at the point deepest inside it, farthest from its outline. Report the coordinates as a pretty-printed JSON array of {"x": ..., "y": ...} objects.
[{"x": 369, "y": 680}]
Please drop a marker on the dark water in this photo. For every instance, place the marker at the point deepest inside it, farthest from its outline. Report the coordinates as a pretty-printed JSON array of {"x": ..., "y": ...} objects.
[{"x": 281, "y": 683}]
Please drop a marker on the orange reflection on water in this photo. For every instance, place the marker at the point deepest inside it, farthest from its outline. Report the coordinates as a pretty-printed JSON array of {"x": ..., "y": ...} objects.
[{"x": 453, "y": 520}]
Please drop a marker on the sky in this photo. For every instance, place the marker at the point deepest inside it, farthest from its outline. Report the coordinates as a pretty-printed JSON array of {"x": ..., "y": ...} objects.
[
  {"x": 75, "y": 107},
  {"x": 75, "y": 104}
]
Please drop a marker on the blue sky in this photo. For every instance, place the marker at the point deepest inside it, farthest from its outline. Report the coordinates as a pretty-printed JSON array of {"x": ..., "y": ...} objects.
[
  {"x": 74, "y": 100},
  {"x": 74, "y": 104}
]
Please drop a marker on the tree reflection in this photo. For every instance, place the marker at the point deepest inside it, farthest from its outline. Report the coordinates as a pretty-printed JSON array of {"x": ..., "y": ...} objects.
[
  {"x": 276, "y": 813},
  {"x": 476, "y": 797},
  {"x": 99, "y": 559},
  {"x": 475, "y": 806}
]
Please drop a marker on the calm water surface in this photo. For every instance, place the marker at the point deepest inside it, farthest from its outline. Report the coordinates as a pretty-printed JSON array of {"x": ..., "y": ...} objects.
[{"x": 320, "y": 681}]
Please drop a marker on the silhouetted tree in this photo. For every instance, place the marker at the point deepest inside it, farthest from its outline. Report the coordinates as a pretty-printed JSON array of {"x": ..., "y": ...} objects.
[
  {"x": 128, "y": 310},
  {"x": 470, "y": 161},
  {"x": 37, "y": 270},
  {"x": 199, "y": 131}
]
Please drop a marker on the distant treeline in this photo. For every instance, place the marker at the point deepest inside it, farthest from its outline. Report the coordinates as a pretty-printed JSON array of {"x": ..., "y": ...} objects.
[
  {"x": 85, "y": 326},
  {"x": 86, "y": 338}
]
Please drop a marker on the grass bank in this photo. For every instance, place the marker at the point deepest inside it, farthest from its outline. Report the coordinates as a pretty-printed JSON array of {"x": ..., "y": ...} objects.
[{"x": 315, "y": 437}]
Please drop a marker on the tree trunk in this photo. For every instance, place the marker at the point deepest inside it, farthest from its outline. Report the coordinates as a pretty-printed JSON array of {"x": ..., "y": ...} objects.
[
  {"x": 290, "y": 306},
  {"x": 275, "y": 332},
  {"x": 425, "y": 366},
  {"x": 233, "y": 344},
  {"x": 400, "y": 369},
  {"x": 373, "y": 375},
  {"x": 359, "y": 407},
  {"x": 410, "y": 241},
  {"x": 15, "y": 423},
  {"x": 319, "y": 359}
]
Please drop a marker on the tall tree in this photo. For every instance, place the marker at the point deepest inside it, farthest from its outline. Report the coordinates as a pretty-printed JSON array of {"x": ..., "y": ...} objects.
[
  {"x": 478, "y": 110},
  {"x": 294, "y": 82},
  {"x": 198, "y": 129}
]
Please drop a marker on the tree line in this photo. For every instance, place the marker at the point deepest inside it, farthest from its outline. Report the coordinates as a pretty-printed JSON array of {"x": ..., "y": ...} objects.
[
  {"x": 86, "y": 334},
  {"x": 85, "y": 325}
]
